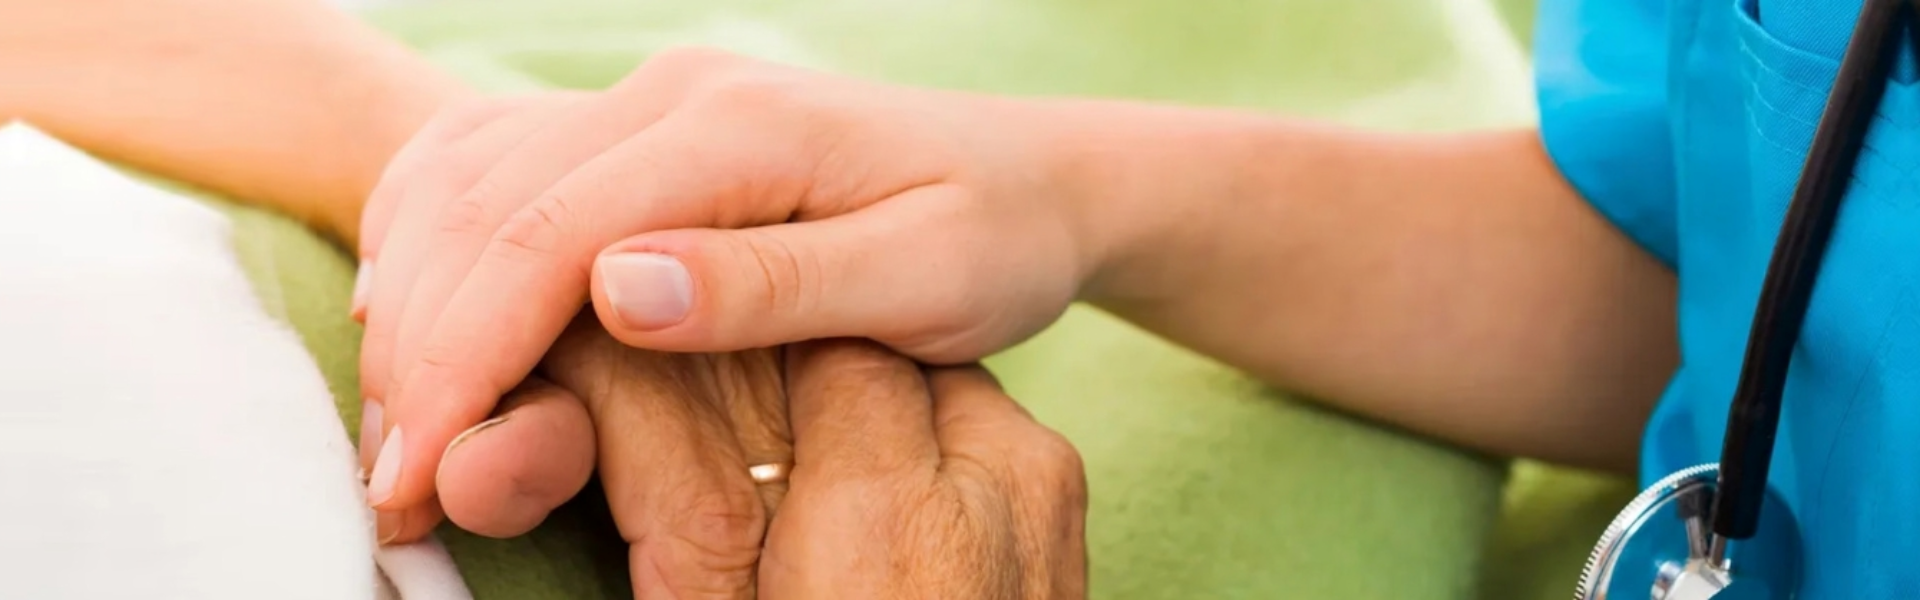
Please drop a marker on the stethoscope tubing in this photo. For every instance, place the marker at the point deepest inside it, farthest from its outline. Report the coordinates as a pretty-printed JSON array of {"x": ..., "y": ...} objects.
[{"x": 1754, "y": 416}]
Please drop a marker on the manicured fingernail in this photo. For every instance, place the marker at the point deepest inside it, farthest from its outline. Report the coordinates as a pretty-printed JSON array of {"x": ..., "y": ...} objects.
[
  {"x": 360, "y": 284},
  {"x": 387, "y": 525},
  {"x": 648, "y": 291},
  {"x": 386, "y": 470},
  {"x": 370, "y": 428}
]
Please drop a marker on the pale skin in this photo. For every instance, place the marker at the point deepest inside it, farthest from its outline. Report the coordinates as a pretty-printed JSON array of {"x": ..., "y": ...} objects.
[
  {"x": 275, "y": 103},
  {"x": 1451, "y": 284},
  {"x": 121, "y": 78}
]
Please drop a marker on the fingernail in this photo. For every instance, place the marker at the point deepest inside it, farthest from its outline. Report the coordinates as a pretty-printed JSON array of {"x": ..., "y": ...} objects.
[
  {"x": 483, "y": 426},
  {"x": 386, "y": 470},
  {"x": 360, "y": 283},
  {"x": 648, "y": 291},
  {"x": 387, "y": 525},
  {"x": 370, "y": 428}
]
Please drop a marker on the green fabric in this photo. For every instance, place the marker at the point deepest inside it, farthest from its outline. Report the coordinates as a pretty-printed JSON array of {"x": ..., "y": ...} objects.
[
  {"x": 1550, "y": 522},
  {"x": 1203, "y": 483}
]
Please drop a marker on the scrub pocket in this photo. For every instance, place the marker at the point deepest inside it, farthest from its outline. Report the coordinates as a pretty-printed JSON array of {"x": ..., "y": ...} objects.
[
  {"x": 1786, "y": 91},
  {"x": 1856, "y": 373}
]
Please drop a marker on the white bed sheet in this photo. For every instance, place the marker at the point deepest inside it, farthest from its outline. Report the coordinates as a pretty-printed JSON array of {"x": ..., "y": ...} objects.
[{"x": 161, "y": 436}]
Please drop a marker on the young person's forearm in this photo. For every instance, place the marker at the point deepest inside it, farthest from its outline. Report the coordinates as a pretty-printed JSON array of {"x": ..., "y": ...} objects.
[
  {"x": 1452, "y": 284},
  {"x": 287, "y": 103}
]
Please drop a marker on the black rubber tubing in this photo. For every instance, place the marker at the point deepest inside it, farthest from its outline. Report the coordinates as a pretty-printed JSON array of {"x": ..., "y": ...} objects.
[{"x": 1754, "y": 417}]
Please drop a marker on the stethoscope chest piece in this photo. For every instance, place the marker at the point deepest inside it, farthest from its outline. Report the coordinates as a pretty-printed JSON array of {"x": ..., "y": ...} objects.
[{"x": 1658, "y": 548}]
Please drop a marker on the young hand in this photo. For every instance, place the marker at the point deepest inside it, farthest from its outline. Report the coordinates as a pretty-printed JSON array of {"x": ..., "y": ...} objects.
[{"x": 714, "y": 203}]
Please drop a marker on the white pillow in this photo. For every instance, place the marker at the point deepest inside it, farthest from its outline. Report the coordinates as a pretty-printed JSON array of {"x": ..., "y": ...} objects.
[{"x": 160, "y": 435}]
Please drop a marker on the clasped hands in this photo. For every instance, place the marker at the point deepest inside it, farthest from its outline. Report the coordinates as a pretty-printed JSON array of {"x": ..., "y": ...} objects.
[{"x": 697, "y": 205}]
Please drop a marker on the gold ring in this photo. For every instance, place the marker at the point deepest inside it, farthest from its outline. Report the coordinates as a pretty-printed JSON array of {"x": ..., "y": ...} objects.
[{"x": 769, "y": 473}]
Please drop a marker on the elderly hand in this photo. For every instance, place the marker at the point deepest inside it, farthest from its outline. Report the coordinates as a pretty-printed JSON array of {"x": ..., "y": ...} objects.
[
  {"x": 903, "y": 483},
  {"x": 674, "y": 436},
  {"x": 920, "y": 484}
]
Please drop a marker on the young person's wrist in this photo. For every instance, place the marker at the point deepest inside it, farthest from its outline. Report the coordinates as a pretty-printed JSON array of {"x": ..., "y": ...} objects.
[
  {"x": 1152, "y": 186},
  {"x": 290, "y": 105}
]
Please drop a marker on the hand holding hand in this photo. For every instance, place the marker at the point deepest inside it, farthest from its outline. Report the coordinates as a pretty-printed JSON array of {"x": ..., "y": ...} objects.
[{"x": 932, "y": 222}]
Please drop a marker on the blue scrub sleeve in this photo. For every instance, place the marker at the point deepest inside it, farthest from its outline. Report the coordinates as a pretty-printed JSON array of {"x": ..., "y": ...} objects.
[{"x": 1601, "y": 72}]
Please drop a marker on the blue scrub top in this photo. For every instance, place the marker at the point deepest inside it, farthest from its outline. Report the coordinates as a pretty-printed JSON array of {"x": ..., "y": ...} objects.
[{"x": 1685, "y": 122}]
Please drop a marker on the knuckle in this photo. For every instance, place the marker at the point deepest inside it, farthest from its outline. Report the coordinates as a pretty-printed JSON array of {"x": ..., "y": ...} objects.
[
  {"x": 541, "y": 228},
  {"x": 458, "y": 390},
  {"x": 478, "y": 108},
  {"x": 467, "y": 115},
  {"x": 692, "y": 59},
  {"x": 678, "y": 67},
  {"x": 438, "y": 357},
  {"x": 1057, "y": 464},
  {"x": 791, "y": 277},
  {"x": 862, "y": 369},
  {"x": 466, "y": 215},
  {"x": 749, "y": 93},
  {"x": 870, "y": 378},
  {"x": 439, "y": 180},
  {"x": 435, "y": 357},
  {"x": 707, "y": 546},
  {"x": 1056, "y": 451},
  {"x": 720, "y": 523},
  {"x": 439, "y": 173}
]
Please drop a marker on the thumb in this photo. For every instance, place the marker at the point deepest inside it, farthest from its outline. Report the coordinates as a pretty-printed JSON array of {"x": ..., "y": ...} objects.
[{"x": 883, "y": 273}]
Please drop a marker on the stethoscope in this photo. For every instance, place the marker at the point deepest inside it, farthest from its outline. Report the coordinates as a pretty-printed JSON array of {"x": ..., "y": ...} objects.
[{"x": 1718, "y": 531}]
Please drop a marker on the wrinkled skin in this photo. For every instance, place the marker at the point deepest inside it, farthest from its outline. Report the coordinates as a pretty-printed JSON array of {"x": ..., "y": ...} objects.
[{"x": 906, "y": 482}]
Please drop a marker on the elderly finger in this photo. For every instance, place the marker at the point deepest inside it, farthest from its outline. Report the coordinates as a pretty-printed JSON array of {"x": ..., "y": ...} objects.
[
  {"x": 981, "y": 425},
  {"x": 975, "y": 419},
  {"x": 858, "y": 410},
  {"x": 1034, "y": 471},
  {"x": 501, "y": 478},
  {"x": 675, "y": 479},
  {"x": 752, "y": 393}
]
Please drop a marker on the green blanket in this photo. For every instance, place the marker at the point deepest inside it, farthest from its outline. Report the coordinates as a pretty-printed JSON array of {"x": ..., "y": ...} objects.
[{"x": 1203, "y": 484}]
